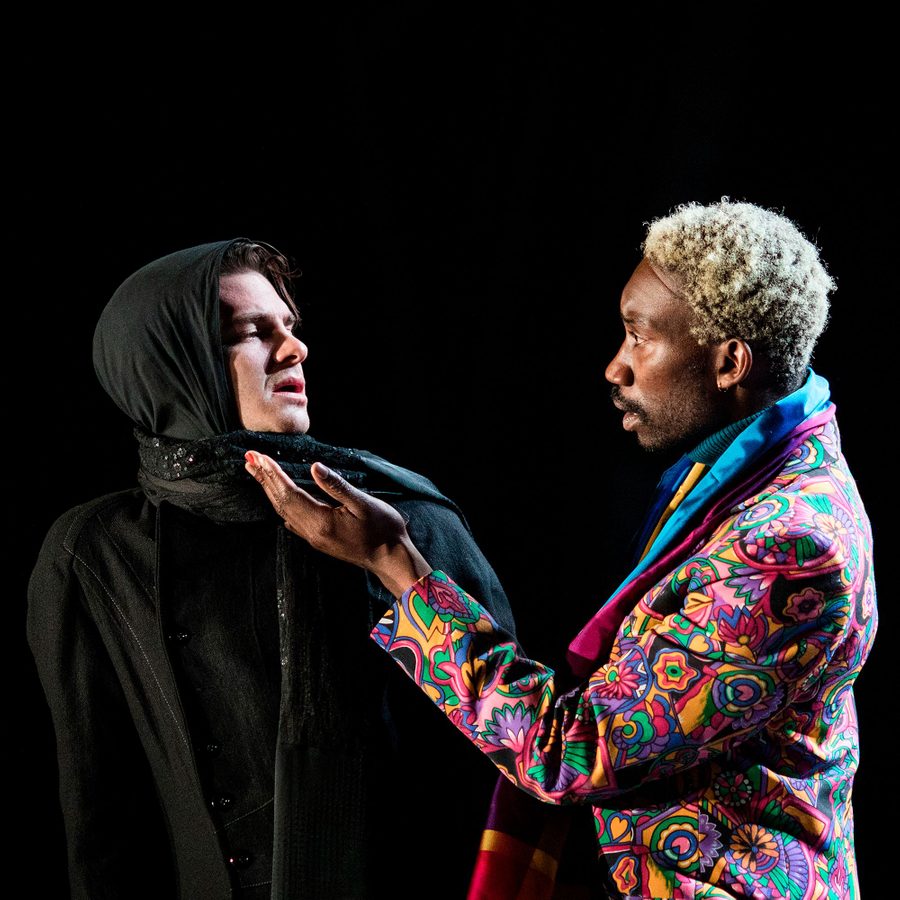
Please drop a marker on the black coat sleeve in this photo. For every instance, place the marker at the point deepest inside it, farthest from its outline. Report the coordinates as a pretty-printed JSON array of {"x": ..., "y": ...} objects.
[{"x": 116, "y": 840}]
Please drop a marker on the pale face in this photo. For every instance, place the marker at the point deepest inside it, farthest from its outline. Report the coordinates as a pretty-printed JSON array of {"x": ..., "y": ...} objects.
[
  {"x": 664, "y": 381},
  {"x": 263, "y": 355}
]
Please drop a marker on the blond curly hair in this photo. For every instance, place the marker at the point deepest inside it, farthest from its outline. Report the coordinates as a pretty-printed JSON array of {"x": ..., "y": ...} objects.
[{"x": 749, "y": 273}]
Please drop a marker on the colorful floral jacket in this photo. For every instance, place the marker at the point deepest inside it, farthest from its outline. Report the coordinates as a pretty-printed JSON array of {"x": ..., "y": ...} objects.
[{"x": 717, "y": 739}]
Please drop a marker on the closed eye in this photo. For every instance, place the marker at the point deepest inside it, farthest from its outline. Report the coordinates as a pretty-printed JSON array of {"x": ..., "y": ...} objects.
[{"x": 232, "y": 338}]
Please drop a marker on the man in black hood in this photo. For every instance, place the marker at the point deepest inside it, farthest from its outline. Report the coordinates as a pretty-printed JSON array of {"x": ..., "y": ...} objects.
[{"x": 219, "y": 722}]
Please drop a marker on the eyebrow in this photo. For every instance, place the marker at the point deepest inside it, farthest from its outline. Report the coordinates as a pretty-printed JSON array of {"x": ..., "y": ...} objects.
[{"x": 290, "y": 320}]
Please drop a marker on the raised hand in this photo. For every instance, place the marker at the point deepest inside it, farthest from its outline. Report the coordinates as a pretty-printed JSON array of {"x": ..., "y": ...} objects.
[{"x": 361, "y": 529}]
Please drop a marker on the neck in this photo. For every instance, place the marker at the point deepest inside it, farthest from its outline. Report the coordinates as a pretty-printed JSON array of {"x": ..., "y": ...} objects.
[
  {"x": 743, "y": 401},
  {"x": 758, "y": 390}
]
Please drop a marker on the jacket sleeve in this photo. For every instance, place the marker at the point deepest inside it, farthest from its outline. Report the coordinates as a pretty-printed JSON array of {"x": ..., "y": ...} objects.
[
  {"x": 448, "y": 544},
  {"x": 116, "y": 840},
  {"x": 712, "y": 655}
]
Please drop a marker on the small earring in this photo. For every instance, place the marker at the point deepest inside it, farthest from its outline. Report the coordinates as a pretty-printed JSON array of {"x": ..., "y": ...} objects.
[{"x": 723, "y": 390}]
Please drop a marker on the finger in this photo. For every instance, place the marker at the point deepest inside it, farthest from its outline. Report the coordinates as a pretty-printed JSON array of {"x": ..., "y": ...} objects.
[
  {"x": 338, "y": 487},
  {"x": 279, "y": 486}
]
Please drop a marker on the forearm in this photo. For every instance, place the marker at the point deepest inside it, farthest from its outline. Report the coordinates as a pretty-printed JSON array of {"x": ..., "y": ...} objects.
[
  {"x": 655, "y": 708},
  {"x": 472, "y": 670}
]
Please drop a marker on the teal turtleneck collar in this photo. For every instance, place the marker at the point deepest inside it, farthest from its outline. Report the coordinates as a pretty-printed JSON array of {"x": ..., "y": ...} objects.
[{"x": 713, "y": 446}]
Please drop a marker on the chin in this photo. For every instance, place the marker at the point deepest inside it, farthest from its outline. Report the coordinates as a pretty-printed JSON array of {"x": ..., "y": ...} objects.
[
  {"x": 660, "y": 443},
  {"x": 292, "y": 425},
  {"x": 297, "y": 427}
]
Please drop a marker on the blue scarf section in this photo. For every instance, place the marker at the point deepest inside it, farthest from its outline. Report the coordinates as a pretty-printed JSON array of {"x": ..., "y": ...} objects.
[{"x": 769, "y": 428}]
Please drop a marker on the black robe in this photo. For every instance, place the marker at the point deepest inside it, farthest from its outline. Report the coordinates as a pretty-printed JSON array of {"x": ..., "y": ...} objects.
[{"x": 221, "y": 715}]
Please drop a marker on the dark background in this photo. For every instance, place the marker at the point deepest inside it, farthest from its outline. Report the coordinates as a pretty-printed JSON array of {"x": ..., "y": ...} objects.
[{"x": 465, "y": 190}]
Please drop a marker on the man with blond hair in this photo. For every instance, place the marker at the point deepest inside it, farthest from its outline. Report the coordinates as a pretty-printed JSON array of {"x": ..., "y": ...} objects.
[{"x": 712, "y": 731}]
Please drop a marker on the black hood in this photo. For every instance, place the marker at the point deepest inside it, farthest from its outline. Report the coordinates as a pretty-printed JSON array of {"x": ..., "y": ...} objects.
[{"x": 158, "y": 351}]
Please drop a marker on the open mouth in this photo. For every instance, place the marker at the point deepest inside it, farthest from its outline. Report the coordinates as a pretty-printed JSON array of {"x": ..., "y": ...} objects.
[{"x": 290, "y": 386}]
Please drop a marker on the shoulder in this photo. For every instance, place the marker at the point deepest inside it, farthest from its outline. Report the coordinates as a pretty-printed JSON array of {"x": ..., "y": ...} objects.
[
  {"x": 810, "y": 517},
  {"x": 419, "y": 493},
  {"x": 433, "y": 520},
  {"x": 413, "y": 481},
  {"x": 82, "y": 526}
]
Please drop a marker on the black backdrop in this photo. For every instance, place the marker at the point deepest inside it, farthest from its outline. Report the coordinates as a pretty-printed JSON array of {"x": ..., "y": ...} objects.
[{"x": 465, "y": 191}]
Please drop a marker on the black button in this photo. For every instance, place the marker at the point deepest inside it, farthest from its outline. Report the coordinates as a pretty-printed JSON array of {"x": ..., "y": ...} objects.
[
  {"x": 181, "y": 636},
  {"x": 223, "y": 801},
  {"x": 212, "y": 749},
  {"x": 240, "y": 860}
]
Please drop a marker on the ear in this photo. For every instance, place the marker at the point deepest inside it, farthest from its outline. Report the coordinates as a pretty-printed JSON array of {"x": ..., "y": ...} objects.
[{"x": 733, "y": 362}]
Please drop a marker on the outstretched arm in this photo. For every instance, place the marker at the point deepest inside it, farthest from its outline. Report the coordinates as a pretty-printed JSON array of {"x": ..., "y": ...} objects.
[{"x": 677, "y": 689}]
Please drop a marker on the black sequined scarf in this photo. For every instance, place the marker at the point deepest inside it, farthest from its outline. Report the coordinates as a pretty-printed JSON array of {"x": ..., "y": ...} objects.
[{"x": 207, "y": 476}]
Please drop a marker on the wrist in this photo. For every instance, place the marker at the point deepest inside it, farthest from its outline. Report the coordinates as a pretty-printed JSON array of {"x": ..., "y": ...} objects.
[{"x": 400, "y": 567}]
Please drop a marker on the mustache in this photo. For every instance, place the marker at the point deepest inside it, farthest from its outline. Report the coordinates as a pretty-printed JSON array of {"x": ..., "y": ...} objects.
[{"x": 624, "y": 405}]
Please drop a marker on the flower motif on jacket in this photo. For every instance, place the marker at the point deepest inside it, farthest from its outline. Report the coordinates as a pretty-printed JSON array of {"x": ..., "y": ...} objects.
[
  {"x": 753, "y": 848},
  {"x": 509, "y": 727},
  {"x": 836, "y": 527},
  {"x": 750, "y": 583},
  {"x": 807, "y": 456},
  {"x": 623, "y": 680},
  {"x": 450, "y": 603},
  {"x": 694, "y": 575},
  {"x": 733, "y": 788},
  {"x": 766, "y": 539},
  {"x": 741, "y": 697},
  {"x": 457, "y": 676},
  {"x": 743, "y": 631},
  {"x": 672, "y": 670},
  {"x": 805, "y": 605}
]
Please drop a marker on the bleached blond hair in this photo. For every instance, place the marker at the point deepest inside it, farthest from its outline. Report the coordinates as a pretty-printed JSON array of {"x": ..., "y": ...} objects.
[{"x": 748, "y": 273}]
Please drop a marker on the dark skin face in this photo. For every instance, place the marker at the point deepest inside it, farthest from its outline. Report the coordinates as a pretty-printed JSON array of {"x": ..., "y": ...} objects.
[{"x": 668, "y": 385}]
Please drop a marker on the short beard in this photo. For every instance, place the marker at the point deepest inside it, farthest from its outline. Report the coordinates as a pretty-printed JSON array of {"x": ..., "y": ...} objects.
[{"x": 681, "y": 425}]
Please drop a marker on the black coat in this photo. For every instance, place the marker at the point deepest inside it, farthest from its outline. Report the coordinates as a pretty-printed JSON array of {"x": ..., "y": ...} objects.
[{"x": 159, "y": 802}]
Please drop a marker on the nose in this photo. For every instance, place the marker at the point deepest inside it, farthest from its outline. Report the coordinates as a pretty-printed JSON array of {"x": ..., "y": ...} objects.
[
  {"x": 619, "y": 371},
  {"x": 291, "y": 349}
]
